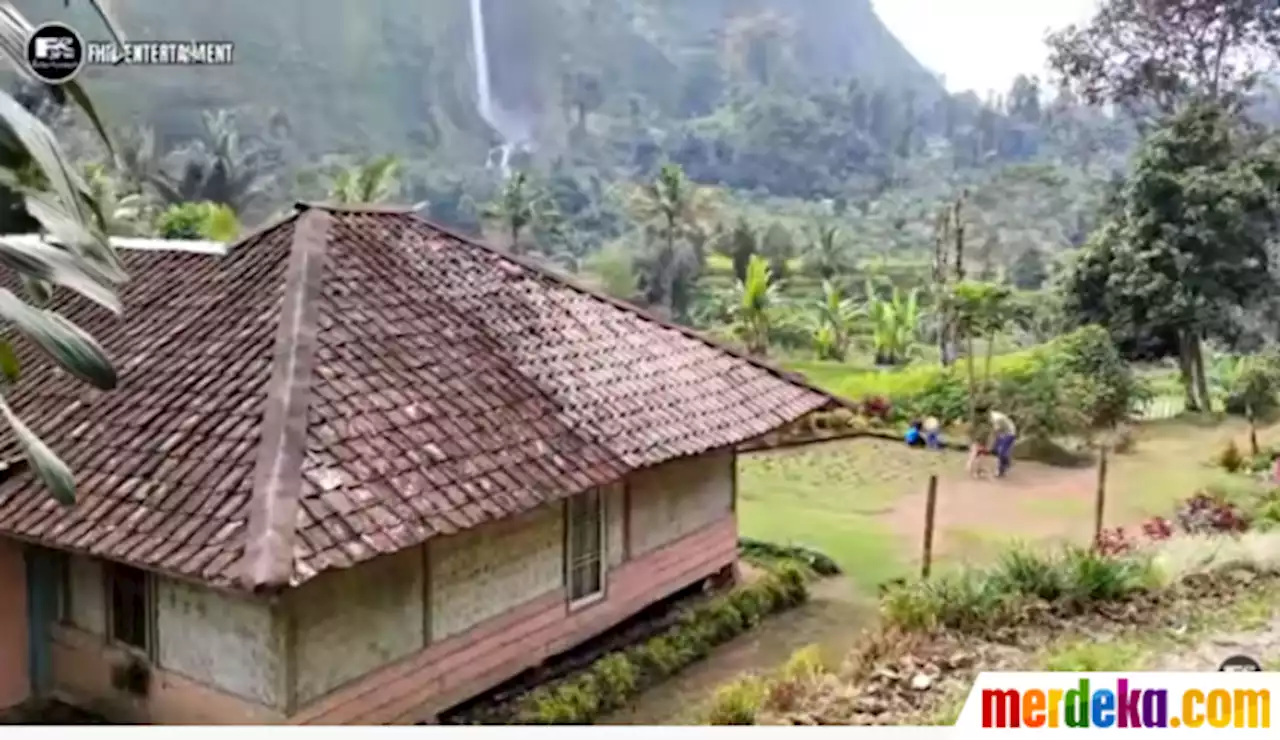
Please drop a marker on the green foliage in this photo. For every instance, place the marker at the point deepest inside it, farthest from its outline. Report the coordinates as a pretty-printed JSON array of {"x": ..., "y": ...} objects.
[
  {"x": 204, "y": 220},
  {"x": 975, "y": 600},
  {"x": 737, "y": 703},
  {"x": 42, "y": 192},
  {"x": 1230, "y": 458},
  {"x": 768, "y": 553},
  {"x": 895, "y": 324},
  {"x": 614, "y": 679},
  {"x": 376, "y": 181},
  {"x": 752, "y": 304}
]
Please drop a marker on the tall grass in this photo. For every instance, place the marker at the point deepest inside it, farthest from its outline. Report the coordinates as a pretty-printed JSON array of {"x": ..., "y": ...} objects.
[{"x": 978, "y": 599}]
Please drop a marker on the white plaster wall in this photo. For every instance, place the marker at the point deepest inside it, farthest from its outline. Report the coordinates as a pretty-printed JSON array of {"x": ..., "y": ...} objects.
[
  {"x": 233, "y": 644},
  {"x": 88, "y": 607},
  {"x": 615, "y": 520},
  {"x": 352, "y": 621},
  {"x": 486, "y": 571},
  {"x": 677, "y": 498}
]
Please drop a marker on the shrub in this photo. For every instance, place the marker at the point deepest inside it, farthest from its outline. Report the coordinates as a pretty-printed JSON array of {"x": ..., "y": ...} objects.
[
  {"x": 1205, "y": 514},
  {"x": 609, "y": 682},
  {"x": 878, "y": 408},
  {"x": 963, "y": 600},
  {"x": 975, "y": 600},
  {"x": 1094, "y": 577},
  {"x": 1026, "y": 571},
  {"x": 1230, "y": 459},
  {"x": 737, "y": 703}
]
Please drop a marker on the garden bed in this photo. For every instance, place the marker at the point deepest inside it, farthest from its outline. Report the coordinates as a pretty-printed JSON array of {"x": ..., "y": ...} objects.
[
  {"x": 1032, "y": 610},
  {"x": 604, "y": 675}
]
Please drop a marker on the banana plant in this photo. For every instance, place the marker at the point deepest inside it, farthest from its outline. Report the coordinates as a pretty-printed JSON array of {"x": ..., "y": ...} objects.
[
  {"x": 895, "y": 324},
  {"x": 835, "y": 319},
  {"x": 754, "y": 301}
]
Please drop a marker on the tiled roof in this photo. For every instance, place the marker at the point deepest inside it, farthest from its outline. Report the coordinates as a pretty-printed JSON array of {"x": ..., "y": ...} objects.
[{"x": 351, "y": 382}]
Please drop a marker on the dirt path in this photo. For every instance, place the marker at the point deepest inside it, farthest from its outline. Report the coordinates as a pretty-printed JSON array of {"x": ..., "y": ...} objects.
[
  {"x": 833, "y": 618},
  {"x": 1039, "y": 503}
]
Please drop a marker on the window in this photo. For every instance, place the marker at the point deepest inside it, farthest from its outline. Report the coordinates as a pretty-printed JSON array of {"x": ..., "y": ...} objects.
[
  {"x": 130, "y": 601},
  {"x": 584, "y": 561}
]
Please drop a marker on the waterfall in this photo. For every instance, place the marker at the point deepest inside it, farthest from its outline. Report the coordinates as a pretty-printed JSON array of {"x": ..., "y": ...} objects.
[{"x": 484, "y": 91}]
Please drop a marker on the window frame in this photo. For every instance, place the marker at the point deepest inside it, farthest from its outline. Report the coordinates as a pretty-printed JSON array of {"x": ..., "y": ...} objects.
[
  {"x": 573, "y": 563},
  {"x": 114, "y": 573}
]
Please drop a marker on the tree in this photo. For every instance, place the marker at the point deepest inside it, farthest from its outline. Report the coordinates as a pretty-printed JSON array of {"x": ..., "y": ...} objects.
[
  {"x": 752, "y": 303},
  {"x": 1160, "y": 53},
  {"x": 79, "y": 258},
  {"x": 828, "y": 254},
  {"x": 895, "y": 324},
  {"x": 1187, "y": 239},
  {"x": 979, "y": 310},
  {"x": 219, "y": 167},
  {"x": 676, "y": 214},
  {"x": 517, "y": 207},
  {"x": 1028, "y": 271},
  {"x": 739, "y": 244},
  {"x": 205, "y": 220},
  {"x": 835, "y": 318},
  {"x": 375, "y": 181},
  {"x": 123, "y": 213}
]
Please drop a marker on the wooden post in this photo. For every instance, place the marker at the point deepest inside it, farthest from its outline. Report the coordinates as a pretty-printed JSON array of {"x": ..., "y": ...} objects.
[
  {"x": 930, "y": 508},
  {"x": 1101, "y": 499}
]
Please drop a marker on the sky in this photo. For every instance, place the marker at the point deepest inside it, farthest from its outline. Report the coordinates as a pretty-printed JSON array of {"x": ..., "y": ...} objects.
[{"x": 980, "y": 45}]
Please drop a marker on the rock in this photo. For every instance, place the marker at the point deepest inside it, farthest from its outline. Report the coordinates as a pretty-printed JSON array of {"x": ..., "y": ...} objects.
[{"x": 921, "y": 682}]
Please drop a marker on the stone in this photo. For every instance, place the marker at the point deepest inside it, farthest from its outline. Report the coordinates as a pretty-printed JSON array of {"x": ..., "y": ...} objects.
[{"x": 921, "y": 682}]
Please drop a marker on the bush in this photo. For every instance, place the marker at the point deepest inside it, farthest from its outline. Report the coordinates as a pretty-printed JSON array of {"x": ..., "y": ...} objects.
[
  {"x": 737, "y": 703},
  {"x": 613, "y": 679},
  {"x": 1206, "y": 514},
  {"x": 978, "y": 599},
  {"x": 770, "y": 554},
  {"x": 1230, "y": 459}
]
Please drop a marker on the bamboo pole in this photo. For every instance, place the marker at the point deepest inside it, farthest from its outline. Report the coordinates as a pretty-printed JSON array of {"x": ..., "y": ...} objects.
[{"x": 930, "y": 510}]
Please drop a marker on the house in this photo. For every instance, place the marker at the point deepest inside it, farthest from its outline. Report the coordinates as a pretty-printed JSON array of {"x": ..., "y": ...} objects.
[{"x": 358, "y": 470}]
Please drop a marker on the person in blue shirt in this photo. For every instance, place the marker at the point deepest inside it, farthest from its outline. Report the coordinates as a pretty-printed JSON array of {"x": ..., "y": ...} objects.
[{"x": 914, "y": 437}]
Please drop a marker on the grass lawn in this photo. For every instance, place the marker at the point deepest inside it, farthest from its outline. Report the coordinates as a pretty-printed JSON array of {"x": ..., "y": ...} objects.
[
  {"x": 838, "y": 496},
  {"x": 828, "y": 496}
]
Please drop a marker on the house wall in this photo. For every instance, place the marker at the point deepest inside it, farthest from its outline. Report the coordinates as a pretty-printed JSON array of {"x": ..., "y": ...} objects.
[
  {"x": 497, "y": 601},
  {"x": 13, "y": 625},
  {"x": 349, "y": 622},
  {"x": 670, "y": 501},
  {"x": 216, "y": 658}
]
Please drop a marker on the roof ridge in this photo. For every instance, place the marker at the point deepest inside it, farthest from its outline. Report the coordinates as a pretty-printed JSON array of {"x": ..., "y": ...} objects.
[
  {"x": 268, "y": 560},
  {"x": 551, "y": 275}
]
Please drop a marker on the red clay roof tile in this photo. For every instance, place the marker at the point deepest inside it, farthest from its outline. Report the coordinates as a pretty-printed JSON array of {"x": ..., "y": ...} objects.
[{"x": 351, "y": 382}]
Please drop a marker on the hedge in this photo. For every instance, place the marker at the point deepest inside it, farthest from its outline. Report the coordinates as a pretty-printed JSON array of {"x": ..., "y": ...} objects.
[
  {"x": 769, "y": 553},
  {"x": 613, "y": 680}
]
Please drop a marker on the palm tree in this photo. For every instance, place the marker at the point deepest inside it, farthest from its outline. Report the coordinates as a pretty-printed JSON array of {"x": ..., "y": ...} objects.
[
  {"x": 518, "y": 206},
  {"x": 827, "y": 255},
  {"x": 219, "y": 167},
  {"x": 376, "y": 181},
  {"x": 752, "y": 304},
  {"x": 35, "y": 173},
  {"x": 677, "y": 214}
]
